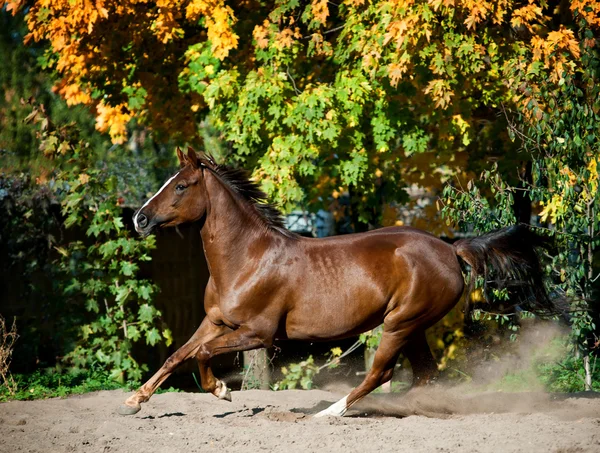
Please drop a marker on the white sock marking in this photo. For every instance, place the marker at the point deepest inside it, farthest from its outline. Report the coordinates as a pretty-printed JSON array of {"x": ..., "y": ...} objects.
[
  {"x": 335, "y": 410},
  {"x": 223, "y": 392},
  {"x": 135, "y": 223}
]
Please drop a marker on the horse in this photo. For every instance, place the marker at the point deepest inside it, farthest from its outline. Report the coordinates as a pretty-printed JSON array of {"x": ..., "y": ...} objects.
[{"x": 267, "y": 283}]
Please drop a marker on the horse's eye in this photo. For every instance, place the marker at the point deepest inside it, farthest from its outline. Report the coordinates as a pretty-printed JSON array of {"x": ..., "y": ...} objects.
[{"x": 180, "y": 188}]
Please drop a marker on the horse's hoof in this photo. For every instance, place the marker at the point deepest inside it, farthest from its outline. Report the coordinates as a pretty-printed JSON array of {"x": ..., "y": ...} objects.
[
  {"x": 126, "y": 409},
  {"x": 227, "y": 396},
  {"x": 224, "y": 393}
]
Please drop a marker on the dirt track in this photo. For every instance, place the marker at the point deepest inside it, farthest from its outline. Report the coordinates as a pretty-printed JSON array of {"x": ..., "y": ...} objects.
[{"x": 281, "y": 421}]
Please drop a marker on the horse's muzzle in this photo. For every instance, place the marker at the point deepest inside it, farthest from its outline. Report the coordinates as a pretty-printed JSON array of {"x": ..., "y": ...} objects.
[{"x": 142, "y": 223}]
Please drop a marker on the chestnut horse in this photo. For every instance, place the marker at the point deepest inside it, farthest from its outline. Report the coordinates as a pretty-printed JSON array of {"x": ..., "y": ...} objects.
[{"x": 267, "y": 283}]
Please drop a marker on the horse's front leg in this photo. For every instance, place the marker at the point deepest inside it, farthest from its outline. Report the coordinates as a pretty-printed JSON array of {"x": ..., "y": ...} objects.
[
  {"x": 242, "y": 339},
  {"x": 205, "y": 333}
]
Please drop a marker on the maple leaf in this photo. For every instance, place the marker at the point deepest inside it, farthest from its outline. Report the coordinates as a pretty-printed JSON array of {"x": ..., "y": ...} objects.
[
  {"x": 320, "y": 10},
  {"x": 261, "y": 33}
]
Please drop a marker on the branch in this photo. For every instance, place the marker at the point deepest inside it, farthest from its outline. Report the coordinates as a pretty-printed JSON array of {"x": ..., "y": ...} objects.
[
  {"x": 287, "y": 71},
  {"x": 326, "y": 32}
]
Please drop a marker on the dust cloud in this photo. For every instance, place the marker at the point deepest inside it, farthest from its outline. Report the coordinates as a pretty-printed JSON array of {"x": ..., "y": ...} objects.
[{"x": 486, "y": 392}]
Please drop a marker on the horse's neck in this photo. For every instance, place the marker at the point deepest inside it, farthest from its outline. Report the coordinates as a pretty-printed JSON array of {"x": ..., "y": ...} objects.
[{"x": 230, "y": 230}]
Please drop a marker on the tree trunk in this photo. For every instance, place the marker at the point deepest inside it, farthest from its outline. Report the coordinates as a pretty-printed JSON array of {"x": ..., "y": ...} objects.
[
  {"x": 257, "y": 373},
  {"x": 588, "y": 372}
]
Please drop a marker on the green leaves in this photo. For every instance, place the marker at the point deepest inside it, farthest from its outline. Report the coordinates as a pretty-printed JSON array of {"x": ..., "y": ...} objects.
[
  {"x": 146, "y": 313},
  {"x": 301, "y": 374},
  {"x": 153, "y": 336},
  {"x": 102, "y": 275}
]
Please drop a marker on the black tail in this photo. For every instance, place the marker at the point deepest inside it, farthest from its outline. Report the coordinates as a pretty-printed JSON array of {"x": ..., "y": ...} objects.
[{"x": 507, "y": 258}]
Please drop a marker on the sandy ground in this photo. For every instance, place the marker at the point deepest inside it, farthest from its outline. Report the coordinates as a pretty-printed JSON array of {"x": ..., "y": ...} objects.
[{"x": 421, "y": 421}]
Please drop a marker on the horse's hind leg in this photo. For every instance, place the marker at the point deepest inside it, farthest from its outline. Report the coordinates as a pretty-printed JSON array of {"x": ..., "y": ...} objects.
[
  {"x": 206, "y": 332},
  {"x": 419, "y": 355},
  {"x": 381, "y": 372}
]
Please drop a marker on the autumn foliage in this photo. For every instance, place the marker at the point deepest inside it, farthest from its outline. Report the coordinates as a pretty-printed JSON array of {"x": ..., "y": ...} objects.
[{"x": 318, "y": 94}]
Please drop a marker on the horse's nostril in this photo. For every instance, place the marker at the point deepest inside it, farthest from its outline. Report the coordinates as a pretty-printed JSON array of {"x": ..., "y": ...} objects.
[{"x": 142, "y": 220}]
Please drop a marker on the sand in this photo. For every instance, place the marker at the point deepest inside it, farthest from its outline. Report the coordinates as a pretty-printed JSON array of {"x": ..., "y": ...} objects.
[{"x": 427, "y": 420}]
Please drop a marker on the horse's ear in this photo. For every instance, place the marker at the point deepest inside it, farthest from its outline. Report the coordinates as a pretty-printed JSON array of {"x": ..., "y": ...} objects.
[
  {"x": 182, "y": 158},
  {"x": 192, "y": 157}
]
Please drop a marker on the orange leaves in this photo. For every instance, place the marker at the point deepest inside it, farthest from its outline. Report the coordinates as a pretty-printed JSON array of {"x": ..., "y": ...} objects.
[
  {"x": 107, "y": 46},
  {"x": 219, "y": 21},
  {"x": 285, "y": 38},
  {"x": 554, "y": 51},
  {"x": 73, "y": 93},
  {"x": 479, "y": 11},
  {"x": 562, "y": 39},
  {"x": 166, "y": 24},
  {"x": 13, "y": 5},
  {"x": 589, "y": 9},
  {"x": 282, "y": 39},
  {"x": 261, "y": 34},
  {"x": 320, "y": 10},
  {"x": 436, "y": 4},
  {"x": 526, "y": 16},
  {"x": 395, "y": 72},
  {"x": 397, "y": 31}
]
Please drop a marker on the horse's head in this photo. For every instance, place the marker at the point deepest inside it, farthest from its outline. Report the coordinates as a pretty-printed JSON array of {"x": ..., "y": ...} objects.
[{"x": 180, "y": 200}]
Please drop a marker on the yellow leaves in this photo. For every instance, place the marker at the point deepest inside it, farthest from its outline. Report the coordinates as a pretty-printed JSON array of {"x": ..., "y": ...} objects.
[
  {"x": 440, "y": 92},
  {"x": 320, "y": 10},
  {"x": 463, "y": 127},
  {"x": 562, "y": 39},
  {"x": 564, "y": 201},
  {"x": 526, "y": 16},
  {"x": 479, "y": 11},
  {"x": 405, "y": 29},
  {"x": 336, "y": 352},
  {"x": 436, "y": 4},
  {"x": 554, "y": 52},
  {"x": 566, "y": 171},
  {"x": 261, "y": 34},
  {"x": 553, "y": 209},
  {"x": 219, "y": 22},
  {"x": 477, "y": 295},
  {"x": 593, "y": 179},
  {"x": 113, "y": 120},
  {"x": 395, "y": 72},
  {"x": 165, "y": 25},
  {"x": 84, "y": 178}
]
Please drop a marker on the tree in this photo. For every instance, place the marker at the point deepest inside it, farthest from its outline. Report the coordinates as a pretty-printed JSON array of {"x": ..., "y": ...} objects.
[
  {"x": 316, "y": 97},
  {"x": 76, "y": 294},
  {"x": 555, "y": 118}
]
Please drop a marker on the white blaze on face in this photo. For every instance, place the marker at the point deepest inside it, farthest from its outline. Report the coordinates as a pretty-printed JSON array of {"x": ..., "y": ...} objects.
[{"x": 152, "y": 198}]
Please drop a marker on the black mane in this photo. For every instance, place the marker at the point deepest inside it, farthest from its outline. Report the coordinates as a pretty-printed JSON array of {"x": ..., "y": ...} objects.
[{"x": 238, "y": 180}]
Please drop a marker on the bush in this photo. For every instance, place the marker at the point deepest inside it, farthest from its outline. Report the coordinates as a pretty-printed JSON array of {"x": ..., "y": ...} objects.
[{"x": 49, "y": 383}]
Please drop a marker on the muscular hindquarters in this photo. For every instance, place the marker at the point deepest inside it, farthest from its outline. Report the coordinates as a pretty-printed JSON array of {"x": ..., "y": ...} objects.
[{"x": 401, "y": 275}]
